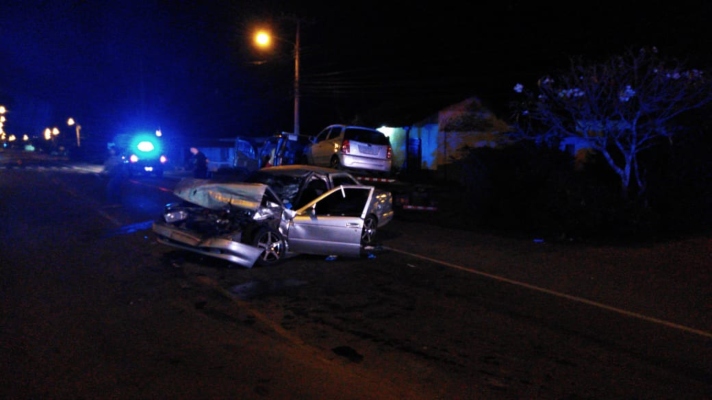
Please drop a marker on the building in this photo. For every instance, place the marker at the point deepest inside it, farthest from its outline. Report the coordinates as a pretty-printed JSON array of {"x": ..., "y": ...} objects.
[{"x": 434, "y": 143}]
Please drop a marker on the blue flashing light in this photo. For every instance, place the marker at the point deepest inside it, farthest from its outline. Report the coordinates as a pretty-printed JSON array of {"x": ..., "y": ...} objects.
[{"x": 146, "y": 146}]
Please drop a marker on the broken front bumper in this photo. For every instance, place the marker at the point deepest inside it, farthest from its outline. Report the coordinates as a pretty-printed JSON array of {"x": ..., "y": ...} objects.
[{"x": 222, "y": 247}]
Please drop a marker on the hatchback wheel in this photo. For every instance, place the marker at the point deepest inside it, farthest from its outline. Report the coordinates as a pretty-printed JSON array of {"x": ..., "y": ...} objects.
[{"x": 335, "y": 163}]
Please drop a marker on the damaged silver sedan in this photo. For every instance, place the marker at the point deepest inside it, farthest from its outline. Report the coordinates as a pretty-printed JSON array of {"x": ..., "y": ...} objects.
[{"x": 248, "y": 224}]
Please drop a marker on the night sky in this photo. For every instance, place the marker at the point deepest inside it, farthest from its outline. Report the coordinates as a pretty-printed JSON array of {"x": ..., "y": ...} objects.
[{"x": 190, "y": 68}]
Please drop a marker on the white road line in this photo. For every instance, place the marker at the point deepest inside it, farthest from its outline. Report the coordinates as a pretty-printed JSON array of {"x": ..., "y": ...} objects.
[{"x": 562, "y": 295}]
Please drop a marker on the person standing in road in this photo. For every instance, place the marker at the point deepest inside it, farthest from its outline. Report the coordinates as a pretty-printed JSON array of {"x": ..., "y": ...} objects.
[
  {"x": 114, "y": 171},
  {"x": 200, "y": 163}
]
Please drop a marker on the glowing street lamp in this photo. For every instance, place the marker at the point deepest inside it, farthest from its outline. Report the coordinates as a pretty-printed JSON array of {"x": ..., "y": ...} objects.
[
  {"x": 78, "y": 128},
  {"x": 51, "y": 133},
  {"x": 263, "y": 39},
  {"x": 3, "y": 110}
]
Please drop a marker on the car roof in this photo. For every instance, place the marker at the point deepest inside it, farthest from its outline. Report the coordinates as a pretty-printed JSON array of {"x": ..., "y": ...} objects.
[
  {"x": 299, "y": 170},
  {"x": 368, "y": 128}
]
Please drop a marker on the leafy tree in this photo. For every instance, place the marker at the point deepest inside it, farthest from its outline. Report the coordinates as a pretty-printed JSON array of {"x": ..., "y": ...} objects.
[{"x": 618, "y": 108}]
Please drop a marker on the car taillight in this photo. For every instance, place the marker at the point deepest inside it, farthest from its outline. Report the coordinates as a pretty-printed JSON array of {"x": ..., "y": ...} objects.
[
  {"x": 346, "y": 147},
  {"x": 133, "y": 158},
  {"x": 389, "y": 152},
  {"x": 163, "y": 159}
]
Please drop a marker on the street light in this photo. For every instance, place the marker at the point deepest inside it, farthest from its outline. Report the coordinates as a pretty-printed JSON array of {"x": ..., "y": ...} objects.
[
  {"x": 51, "y": 133},
  {"x": 263, "y": 39},
  {"x": 78, "y": 127},
  {"x": 3, "y": 110}
]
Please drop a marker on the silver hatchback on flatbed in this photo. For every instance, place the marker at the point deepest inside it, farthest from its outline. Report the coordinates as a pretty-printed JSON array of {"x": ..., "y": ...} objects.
[{"x": 351, "y": 147}]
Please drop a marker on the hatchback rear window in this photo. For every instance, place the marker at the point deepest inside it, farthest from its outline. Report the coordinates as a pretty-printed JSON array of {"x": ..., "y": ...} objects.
[{"x": 366, "y": 136}]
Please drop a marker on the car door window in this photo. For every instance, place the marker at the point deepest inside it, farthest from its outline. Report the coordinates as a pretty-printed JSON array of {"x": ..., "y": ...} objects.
[
  {"x": 334, "y": 133},
  {"x": 322, "y": 135},
  {"x": 338, "y": 180},
  {"x": 346, "y": 202},
  {"x": 314, "y": 189}
]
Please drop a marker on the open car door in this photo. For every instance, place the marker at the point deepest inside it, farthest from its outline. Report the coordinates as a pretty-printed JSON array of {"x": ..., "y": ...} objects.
[{"x": 331, "y": 224}]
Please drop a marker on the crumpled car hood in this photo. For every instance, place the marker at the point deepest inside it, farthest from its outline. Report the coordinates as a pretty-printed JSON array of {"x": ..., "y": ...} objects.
[{"x": 215, "y": 196}]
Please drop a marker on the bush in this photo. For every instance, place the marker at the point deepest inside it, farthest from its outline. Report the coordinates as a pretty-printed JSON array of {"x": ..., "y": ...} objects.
[{"x": 533, "y": 190}]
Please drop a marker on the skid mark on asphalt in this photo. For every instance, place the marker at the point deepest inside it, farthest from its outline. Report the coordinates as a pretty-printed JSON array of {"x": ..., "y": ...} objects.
[{"x": 561, "y": 295}]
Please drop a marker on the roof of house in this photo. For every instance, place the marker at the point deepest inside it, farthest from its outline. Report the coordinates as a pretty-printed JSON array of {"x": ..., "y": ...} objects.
[{"x": 419, "y": 113}]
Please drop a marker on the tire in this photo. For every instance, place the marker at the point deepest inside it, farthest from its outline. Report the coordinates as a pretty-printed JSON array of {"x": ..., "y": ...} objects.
[
  {"x": 335, "y": 163},
  {"x": 272, "y": 244},
  {"x": 368, "y": 234}
]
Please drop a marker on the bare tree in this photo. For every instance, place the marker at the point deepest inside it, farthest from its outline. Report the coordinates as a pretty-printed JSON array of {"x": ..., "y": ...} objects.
[{"x": 619, "y": 108}]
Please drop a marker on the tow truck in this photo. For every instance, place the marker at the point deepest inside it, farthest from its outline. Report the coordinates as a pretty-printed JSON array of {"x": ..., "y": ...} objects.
[
  {"x": 287, "y": 148},
  {"x": 406, "y": 195}
]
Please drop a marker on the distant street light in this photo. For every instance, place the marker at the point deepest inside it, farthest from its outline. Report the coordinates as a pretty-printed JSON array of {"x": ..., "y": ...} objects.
[
  {"x": 51, "y": 134},
  {"x": 78, "y": 128},
  {"x": 3, "y": 110},
  {"x": 263, "y": 39}
]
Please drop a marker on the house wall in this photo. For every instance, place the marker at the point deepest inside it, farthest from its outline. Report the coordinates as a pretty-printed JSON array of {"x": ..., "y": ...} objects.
[
  {"x": 397, "y": 138},
  {"x": 437, "y": 148},
  {"x": 429, "y": 139},
  {"x": 573, "y": 145},
  {"x": 428, "y": 136},
  {"x": 451, "y": 144}
]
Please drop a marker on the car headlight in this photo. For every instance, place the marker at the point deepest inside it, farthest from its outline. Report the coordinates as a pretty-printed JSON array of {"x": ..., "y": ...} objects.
[{"x": 175, "y": 216}]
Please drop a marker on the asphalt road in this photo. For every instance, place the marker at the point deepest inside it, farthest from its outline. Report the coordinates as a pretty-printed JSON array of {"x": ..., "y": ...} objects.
[{"x": 93, "y": 307}]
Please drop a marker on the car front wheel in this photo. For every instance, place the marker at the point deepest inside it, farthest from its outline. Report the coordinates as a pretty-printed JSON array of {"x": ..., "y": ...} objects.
[
  {"x": 272, "y": 245},
  {"x": 368, "y": 234}
]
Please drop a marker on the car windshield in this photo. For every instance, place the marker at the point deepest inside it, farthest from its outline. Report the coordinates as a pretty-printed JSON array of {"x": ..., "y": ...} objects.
[
  {"x": 366, "y": 136},
  {"x": 285, "y": 186},
  {"x": 244, "y": 147}
]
